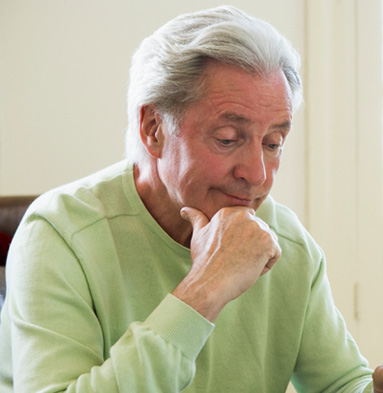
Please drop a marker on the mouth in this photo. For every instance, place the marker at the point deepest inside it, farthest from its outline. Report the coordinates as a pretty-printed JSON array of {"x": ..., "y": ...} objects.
[
  {"x": 238, "y": 200},
  {"x": 242, "y": 199}
]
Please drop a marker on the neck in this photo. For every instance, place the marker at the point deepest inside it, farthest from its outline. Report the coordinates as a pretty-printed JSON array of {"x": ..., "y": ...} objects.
[{"x": 157, "y": 201}]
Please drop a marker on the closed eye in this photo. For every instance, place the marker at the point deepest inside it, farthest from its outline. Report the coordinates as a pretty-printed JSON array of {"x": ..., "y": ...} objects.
[{"x": 226, "y": 142}]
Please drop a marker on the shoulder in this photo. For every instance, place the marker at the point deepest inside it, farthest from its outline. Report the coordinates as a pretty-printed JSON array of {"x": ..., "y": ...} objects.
[
  {"x": 80, "y": 204},
  {"x": 292, "y": 234}
]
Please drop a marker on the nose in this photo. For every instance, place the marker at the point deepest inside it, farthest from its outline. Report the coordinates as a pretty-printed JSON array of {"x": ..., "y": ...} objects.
[{"x": 251, "y": 166}]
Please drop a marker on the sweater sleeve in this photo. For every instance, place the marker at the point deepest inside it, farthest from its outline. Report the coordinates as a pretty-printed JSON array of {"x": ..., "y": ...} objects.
[
  {"x": 57, "y": 342},
  {"x": 329, "y": 360}
]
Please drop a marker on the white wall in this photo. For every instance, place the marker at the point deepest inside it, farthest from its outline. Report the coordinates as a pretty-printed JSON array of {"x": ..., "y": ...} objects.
[{"x": 63, "y": 75}]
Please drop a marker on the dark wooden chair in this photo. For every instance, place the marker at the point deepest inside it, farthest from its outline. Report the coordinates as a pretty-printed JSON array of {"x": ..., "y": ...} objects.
[{"x": 12, "y": 209}]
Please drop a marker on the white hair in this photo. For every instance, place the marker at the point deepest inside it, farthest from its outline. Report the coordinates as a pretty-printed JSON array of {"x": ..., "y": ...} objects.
[{"x": 167, "y": 67}]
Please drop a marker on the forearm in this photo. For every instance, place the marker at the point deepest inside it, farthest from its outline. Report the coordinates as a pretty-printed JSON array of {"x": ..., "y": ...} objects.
[
  {"x": 67, "y": 333},
  {"x": 154, "y": 356}
]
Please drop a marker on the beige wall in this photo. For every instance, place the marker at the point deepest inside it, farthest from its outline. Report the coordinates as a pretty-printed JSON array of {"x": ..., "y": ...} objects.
[
  {"x": 63, "y": 76},
  {"x": 344, "y": 137}
]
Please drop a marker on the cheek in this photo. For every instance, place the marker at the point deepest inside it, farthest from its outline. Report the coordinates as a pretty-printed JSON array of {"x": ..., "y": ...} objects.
[
  {"x": 208, "y": 165},
  {"x": 215, "y": 172},
  {"x": 205, "y": 174},
  {"x": 272, "y": 169}
]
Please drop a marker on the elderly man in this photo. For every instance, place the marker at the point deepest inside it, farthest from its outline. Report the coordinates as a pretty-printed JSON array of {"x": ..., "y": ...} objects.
[{"x": 115, "y": 281}]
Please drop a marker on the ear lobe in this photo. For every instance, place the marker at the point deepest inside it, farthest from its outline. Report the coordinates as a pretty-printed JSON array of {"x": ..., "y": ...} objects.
[{"x": 151, "y": 130}]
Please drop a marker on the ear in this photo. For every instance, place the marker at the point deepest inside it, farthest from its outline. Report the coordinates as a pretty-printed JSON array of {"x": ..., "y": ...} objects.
[{"x": 151, "y": 131}]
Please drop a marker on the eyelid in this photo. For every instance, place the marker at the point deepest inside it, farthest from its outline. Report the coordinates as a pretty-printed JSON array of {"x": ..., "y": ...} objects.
[
  {"x": 277, "y": 146},
  {"x": 276, "y": 136},
  {"x": 226, "y": 134},
  {"x": 274, "y": 143},
  {"x": 223, "y": 140}
]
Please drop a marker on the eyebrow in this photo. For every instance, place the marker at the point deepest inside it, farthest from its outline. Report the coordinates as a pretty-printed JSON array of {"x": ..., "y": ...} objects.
[
  {"x": 236, "y": 118},
  {"x": 284, "y": 126}
]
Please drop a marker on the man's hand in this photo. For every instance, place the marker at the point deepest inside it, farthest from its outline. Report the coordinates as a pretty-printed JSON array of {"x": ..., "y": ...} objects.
[
  {"x": 229, "y": 253},
  {"x": 378, "y": 379}
]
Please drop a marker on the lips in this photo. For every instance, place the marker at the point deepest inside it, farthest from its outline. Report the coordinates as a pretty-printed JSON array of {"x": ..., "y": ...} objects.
[
  {"x": 236, "y": 199},
  {"x": 239, "y": 199}
]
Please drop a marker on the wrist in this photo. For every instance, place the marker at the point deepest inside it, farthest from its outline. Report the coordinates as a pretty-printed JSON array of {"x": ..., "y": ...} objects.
[{"x": 200, "y": 299}]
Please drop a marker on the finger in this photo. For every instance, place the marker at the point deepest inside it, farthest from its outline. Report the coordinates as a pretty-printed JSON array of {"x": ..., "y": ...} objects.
[
  {"x": 272, "y": 261},
  {"x": 264, "y": 225},
  {"x": 273, "y": 235},
  {"x": 195, "y": 217},
  {"x": 378, "y": 379}
]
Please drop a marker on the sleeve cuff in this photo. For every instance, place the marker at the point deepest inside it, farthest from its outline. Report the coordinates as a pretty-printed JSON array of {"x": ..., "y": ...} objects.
[{"x": 180, "y": 325}]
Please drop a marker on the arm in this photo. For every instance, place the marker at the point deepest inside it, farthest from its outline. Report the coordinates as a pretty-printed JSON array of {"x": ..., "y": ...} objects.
[
  {"x": 329, "y": 359},
  {"x": 58, "y": 343}
]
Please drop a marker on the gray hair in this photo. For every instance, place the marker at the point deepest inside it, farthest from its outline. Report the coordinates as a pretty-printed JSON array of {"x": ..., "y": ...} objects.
[{"x": 167, "y": 67}]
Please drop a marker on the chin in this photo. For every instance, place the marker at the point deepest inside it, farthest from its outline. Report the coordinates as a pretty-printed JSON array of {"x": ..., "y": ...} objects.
[{"x": 258, "y": 202}]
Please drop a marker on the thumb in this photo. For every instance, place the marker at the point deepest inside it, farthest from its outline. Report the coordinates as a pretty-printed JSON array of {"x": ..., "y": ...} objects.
[
  {"x": 195, "y": 217},
  {"x": 378, "y": 379}
]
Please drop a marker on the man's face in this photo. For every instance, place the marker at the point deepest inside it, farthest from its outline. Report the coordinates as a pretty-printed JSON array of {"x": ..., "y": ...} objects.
[{"x": 229, "y": 144}]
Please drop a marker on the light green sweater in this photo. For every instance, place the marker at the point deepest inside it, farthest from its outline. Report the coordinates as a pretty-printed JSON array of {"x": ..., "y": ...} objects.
[{"x": 88, "y": 307}]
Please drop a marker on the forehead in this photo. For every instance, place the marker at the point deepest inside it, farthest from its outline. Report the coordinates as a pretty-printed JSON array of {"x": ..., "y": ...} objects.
[
  {"x": 226, "y": 79},
  {"x": 233, "y": 94}
]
